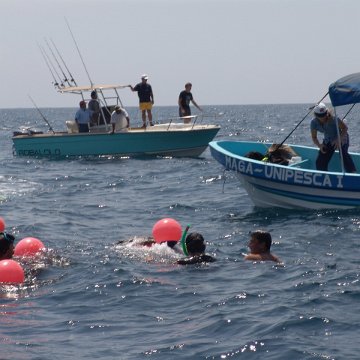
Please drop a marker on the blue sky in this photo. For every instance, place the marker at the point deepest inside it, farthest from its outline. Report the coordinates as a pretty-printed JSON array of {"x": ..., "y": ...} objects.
[{"x": 233, "y": 51}]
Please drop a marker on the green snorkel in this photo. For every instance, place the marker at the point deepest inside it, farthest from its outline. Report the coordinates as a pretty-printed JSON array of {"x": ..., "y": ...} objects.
[{"x": 183, "y": 243}]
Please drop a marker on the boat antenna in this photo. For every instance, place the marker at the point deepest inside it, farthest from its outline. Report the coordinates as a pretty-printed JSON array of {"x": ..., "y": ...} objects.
[
  {"x": 55, "y": 82},
  {"x": 67, "y": 69},
  {"x": 310, "y": 110},
  {"x": 77, "y": 47},
  {"x": 42, "y": 115},
  {"x": 65, "y": 79}
]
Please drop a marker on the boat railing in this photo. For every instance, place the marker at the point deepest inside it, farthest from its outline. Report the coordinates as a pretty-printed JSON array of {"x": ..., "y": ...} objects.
[{"x": 190, "y": 120}]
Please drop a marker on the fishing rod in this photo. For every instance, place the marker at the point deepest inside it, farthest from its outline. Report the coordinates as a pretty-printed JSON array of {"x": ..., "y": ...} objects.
[
  {"x": 310, "y": 110},
  {"x": 53, "y": 67},
  {"x": 348, "y": 111},
  {"x": 48, "y": 65},
  {"x": 65, "y": 79},
  {"x": 42, "y": 115},
  {"x": 77, "y": 47},
  {"x": 58, "y": 52}
]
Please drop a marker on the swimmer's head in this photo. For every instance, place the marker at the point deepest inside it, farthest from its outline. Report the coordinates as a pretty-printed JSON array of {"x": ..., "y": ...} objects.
[
  {"x": 171, "y": 244},
  {"x": 195, "y": 244},
  {"x": 262, "y": 237},
  {"x": 6, "y": 245}
]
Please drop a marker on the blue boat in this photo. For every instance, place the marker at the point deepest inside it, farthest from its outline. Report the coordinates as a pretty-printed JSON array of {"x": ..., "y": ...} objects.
[
  {"x": 163, "y": 140},
  {"x": 296, "y": 185},
  {"x": 173, "y": 138}
]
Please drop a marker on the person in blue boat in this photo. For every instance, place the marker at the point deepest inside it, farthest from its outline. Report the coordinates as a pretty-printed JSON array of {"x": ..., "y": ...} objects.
[
  {"x": 326, "y": 123},
  {"x": 260, "y": 245},
  {"x": 94, "y": 107},
  {"x": 146, "y": 99},
  {"x": 120, "y": 120},
  {"x": 6, "y": 246},
  {"x": 184, "y": 100},
  {"x": 83, "y": 117},
  {"x": 195, "y": 249}
]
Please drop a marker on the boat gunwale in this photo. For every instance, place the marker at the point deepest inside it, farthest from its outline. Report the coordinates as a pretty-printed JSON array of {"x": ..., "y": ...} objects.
[
  {"x": 131, "y": 131},
  {"x": 215, "y": 145}
]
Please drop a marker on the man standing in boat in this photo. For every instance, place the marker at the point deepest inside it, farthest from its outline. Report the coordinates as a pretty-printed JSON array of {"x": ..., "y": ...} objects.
[
  {"x": 185, "y": 98},
  {"x": 94, "y": 107},
  {"x": 146, "y": 99},
  {"x": 83, "y": 117},
  {"x": 326, "y": 123}
]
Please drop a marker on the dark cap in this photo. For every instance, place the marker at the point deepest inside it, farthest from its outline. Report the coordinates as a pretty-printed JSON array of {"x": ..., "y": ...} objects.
[{"x": 5, "y": 241}]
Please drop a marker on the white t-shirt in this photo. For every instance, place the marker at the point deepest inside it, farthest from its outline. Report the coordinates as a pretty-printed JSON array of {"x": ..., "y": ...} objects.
[{"x": 119, "y": 119}]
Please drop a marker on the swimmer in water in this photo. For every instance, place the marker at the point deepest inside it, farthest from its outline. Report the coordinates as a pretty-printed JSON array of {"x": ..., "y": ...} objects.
[
  {"x": 148, "y": 242},
  {"x": 6, "y": 246},
  {"x": 195, "y": 248},
  {"x": 259, "y": 245}
]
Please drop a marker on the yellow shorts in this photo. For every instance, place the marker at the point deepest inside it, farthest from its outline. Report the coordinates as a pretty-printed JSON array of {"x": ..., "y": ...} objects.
[{"x": 145, "y": 106}]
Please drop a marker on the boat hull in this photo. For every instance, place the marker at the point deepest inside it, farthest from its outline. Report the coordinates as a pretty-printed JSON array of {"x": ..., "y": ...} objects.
[
  {"x": 297, "y": 186},
  {"x": 185, "y": 141}
]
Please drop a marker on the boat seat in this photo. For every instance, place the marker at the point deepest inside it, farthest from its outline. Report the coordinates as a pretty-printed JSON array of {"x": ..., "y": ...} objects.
[
  {"x": 72, "y": 127},
  {"x": 298, "y": 164}
]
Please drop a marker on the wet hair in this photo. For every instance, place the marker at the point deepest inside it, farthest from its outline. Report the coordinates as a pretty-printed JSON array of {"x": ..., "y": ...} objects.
[
  {"x": 263, "y": 237},
  {"x": 195, "y": 243},
  {"x": 254, "y": 155},
  {"x": 171, "y": 244},
  {"x": 6, "y": 240}
]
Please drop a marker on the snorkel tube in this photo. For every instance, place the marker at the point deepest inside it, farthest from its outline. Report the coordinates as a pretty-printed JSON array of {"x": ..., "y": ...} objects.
[{"x": 183, "y": 243}]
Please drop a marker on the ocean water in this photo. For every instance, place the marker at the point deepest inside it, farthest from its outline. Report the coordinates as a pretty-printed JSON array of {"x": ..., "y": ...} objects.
[{"x": 91, "y": 298}]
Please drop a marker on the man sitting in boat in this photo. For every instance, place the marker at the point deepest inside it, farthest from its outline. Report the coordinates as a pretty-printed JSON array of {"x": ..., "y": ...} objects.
[
  {"x": 120, "y": 120},
  {"x": 259, "y": 245},
  {"x": 83, "y": 117},
  {"x": 325, "y": 122}
]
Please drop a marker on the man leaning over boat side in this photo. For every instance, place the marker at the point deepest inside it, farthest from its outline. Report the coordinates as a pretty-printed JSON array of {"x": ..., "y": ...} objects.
[
  {"x": 326, "y": 123},
  {"x": 120, "y": 120},
  {"x": 83, "y": 117}
]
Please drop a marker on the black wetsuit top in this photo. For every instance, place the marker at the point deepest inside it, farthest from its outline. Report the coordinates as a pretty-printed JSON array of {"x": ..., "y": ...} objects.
[{"x": 196, "y": 260}]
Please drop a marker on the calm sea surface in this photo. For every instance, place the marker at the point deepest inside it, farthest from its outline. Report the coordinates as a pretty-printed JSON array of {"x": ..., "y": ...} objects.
[{"x": 93, "y": 299}]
